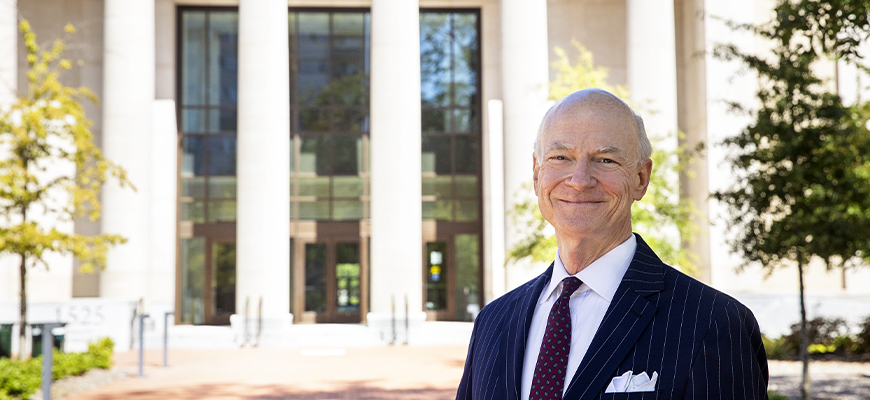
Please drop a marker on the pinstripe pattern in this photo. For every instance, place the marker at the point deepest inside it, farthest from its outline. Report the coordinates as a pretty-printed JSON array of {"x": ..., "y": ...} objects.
[{"x": 703, "y": 343}]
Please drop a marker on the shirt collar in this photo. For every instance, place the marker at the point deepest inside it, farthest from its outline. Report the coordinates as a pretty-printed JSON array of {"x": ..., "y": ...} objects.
[{"x": 602, "y": 276}]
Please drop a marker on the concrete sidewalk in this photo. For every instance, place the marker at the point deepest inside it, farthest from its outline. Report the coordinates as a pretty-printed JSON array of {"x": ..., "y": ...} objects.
[{"x": 396, "y": 372}]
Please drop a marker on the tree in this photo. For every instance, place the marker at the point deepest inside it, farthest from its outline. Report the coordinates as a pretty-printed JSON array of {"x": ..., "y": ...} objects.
[
  {"x": 661, "y": 209},
  {"x": 802, "y": 187},
  {"x": 41, "y": 134}
]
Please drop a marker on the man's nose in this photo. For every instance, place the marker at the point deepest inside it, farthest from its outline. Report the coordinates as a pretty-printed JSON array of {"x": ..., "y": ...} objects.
[{"x": 581, "y": 176}]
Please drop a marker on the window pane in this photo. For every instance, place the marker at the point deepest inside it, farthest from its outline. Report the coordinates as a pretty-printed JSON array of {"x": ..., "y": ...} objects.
[
  {"x": 347, "y": 186},
  {"x": 193, "y": 156},
  {"x": 466, "y": 210},
  {"x": 436, "y": 154},
  {"x": 193, "y": 58},
  {"x": 313, "y": 120},
  {"x": 466, "y": 186},
  {"x": 347, "y": 24},
  {"x": 193, "y": 120},
  {"x": 222, "y": 155},
  {"x": 436, "y": 276},
  {"x": 347, "y": 210},
  {"x": 435, "y": 120},
  {"x": 464, "y": 121},
  {"x": 224, "y": 277},
  {"x": 318, "y": 210},
  {"x": 467, "y": 270},
  {"x": 314, "y": 155},
  {"x": 315, "y": 277},
  {"x": 351, "y": 120},
  {"x": 222, "y": 120},
  {"x": 192, "y": 281},
  {"x": 318, "y": 186},
  {"x": 434, "y": 59},
  {"x": 465, "y": 59},
  {"x": 193, "y": 187},
  {"x": 347, "y": 277},
  {"x": 347, "y": 155},
  {"x": 223, "y": 58},
  {"x": 222, "y": 187},
  {"x": 444, "y": 186},
  {"x": 193, "y": 212},
  {"x": 222, "y": 211},
  {"x": 467, "y": 154}
]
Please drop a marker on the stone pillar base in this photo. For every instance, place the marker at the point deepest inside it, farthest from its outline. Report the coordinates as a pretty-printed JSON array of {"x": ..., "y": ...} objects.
[
  {"x": 382, "y": 324},
  {"x": 270, "y": 331}
]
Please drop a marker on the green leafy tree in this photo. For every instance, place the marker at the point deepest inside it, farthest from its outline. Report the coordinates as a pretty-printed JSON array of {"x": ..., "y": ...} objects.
[
  {"x": 44, "y": 131},
  {"x": 802, "y": 167},
  {"x": 660, "y": 208}
]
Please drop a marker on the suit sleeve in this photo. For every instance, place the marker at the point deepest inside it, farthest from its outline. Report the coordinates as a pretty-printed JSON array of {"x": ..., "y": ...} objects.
[
  {"x": 464, "y": 391},
  {"x": 731, "y": 363}
]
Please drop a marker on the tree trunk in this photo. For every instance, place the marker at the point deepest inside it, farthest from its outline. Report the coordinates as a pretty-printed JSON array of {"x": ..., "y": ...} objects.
[
  {"x": 22, "y": 329},
  {"x": 804, "y": 351}
]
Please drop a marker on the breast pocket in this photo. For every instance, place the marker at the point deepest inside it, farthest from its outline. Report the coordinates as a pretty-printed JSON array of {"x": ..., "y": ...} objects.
[{"x": 629, "y": 396}]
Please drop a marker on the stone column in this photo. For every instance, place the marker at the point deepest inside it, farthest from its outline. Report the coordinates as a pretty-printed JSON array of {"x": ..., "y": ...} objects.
[
  {"x": 692, "y": 121},
  {"x": 263, "y": 226},
  {"x": 524, "y": 61},
  {"x": 8, "y": 52},
  {"x": 396, "y": 213},
  {"x": 128, "y": 96}
]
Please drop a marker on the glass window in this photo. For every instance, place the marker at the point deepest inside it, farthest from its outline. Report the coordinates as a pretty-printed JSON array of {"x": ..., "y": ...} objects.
[
  {"x": 192, "y": 280},
  {"x": 467, "y": 269},
  {"x": 224, "y": 278},
  {"x": 315, "y": 277}
]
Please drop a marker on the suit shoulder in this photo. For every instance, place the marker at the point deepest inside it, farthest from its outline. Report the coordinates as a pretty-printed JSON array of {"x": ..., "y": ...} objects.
[{"x": 703, "y": 294}]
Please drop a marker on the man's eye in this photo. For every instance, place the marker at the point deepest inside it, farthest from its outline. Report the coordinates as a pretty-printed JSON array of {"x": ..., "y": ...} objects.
[
  {"x": 558, "y": 158},
  {"x": 607, "y": 161}
]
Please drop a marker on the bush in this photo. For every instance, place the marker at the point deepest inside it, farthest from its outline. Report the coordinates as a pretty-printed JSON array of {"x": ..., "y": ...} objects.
[
  {"x": 862, "y": 339},
  {"x": 775, "y": 348},
  {"x": 19, "y": 379},
  {"x": 771, "y": 395},
  {"x": 821, "y": 331}
]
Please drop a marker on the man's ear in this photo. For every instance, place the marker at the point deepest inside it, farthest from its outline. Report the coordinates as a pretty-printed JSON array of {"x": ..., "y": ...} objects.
[
  {"x": 535, "y": 169},
  {"x": 644, "y": 172}
]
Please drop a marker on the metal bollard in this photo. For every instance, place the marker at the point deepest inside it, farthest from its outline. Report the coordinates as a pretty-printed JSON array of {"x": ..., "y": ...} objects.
[
  {"x": 142, "y": 341},
  {"x": 47, "y": 358},
  {"x": 166, "y": 337}
]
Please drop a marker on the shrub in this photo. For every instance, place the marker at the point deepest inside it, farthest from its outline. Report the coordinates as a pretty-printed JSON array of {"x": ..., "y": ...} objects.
[
  {"x": 862, "y": 339},
  {"x": 19, "y": 379},
  {"x": 821, "y": 331},
  {"x": 775, "y": 348},
  {"x": 776, "y": 396}
]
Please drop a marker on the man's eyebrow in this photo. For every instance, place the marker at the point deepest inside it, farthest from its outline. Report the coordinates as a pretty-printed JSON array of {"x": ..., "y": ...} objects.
[
  {"x": 608, "y": 150},
  {"x": 558, "y": 146}
]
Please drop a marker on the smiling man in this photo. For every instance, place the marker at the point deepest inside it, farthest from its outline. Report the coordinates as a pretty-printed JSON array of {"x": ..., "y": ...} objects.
[{"x": 607, "y": 319}]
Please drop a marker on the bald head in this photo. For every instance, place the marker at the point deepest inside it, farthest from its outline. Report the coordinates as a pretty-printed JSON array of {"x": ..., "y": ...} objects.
[{"x": 581, "y": 104}]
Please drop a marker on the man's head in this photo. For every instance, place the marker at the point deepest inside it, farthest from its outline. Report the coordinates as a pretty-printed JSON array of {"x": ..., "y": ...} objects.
[{"x": 591, "y": 162}]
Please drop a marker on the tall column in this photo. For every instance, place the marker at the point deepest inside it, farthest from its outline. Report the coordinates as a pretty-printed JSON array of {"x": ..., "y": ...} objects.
[
  {"x": 524, "y": 61},
  {"x": 692, "y": 121},
  {"x": 263, "y": 227},
  {"x": 128, "y": 97},
  {"x": 8, "y": 52},
  {"x": 397, "y": 237}
]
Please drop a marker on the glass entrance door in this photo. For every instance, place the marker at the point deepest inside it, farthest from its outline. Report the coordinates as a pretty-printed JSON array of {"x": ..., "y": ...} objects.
[
  {"x": 223, "y": 283},
  {"x": 333, "y": 289}
]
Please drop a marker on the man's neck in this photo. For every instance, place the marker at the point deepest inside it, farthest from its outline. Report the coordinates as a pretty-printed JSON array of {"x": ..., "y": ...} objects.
[{"x": 577, "y": 254}]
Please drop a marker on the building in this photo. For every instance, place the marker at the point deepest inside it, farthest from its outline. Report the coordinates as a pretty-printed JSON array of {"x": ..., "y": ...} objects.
[{"x": 275, "y": 146}]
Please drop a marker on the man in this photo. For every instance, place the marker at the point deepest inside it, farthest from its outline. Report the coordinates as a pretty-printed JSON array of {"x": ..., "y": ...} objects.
[{"x": 607, "y": 317}]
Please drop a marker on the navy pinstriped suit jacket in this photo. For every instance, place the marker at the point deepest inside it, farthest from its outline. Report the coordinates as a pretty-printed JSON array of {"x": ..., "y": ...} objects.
[{"x": 703, "y": 343}]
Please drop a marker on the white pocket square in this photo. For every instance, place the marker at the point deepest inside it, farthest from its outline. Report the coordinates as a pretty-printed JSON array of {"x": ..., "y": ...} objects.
[{"x": 633, "y": 383}]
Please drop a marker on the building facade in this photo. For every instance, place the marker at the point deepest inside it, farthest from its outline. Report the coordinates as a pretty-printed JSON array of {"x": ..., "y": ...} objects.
[{"x": 314, "y": 161}]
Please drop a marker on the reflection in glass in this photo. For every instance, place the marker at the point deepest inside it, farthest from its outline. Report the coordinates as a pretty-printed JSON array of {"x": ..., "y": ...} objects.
[
  {"x": 466, "y": 186},
  {"x": 222, "y": 211},
  {"x": 437, "y": 120},
  {"x": 466, "y": 210},
  {"x": 193, "y": 120},
  {"x": 223, "y": 58},
  {"x": 224, "y": 278},
  {"x": 193, "y": 155},
  {"x": 317, "y": 210},
  {"x": 347, "y": 273},
  {"x": 318, "y": 186},
  {"x": 467, "y": 154},
  {"x": 347, "y": 186},
  {"x": 347, "y": 152},
  {"x": 192, "y": 281},
  {"x": 436, "y": 276},
  {"x": 347, "y": 210},
  {"x": 223, "y": 187},
  {"x": 315, "y": 277},
  {"x": 436, "y": 154},
  {"x": 193, "y": 212},
  {"x": 467, "y": 269},
  {"x": 193, "y": 187},
  {"x": 314, "y": 155},
  {"x": 222, "y": 155},
  {"x": 193, "y": 58}
]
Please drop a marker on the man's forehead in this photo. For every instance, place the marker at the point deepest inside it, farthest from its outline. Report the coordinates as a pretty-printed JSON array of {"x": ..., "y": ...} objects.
[{"x": 594, "y": 148}]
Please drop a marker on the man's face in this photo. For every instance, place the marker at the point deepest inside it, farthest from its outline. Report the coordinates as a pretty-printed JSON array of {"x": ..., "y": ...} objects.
[{"x": 589, "y": 173}]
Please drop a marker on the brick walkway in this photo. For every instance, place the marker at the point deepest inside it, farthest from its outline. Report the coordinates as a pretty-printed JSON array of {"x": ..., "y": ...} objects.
[{"x": 413, "y": 373}]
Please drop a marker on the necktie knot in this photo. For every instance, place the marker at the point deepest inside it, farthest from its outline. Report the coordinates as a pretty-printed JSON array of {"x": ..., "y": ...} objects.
[{"x": 570, "y": 285}]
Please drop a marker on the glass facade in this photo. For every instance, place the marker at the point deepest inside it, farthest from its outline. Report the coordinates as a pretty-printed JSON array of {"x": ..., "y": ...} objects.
[{"x": 329, "y": 160}]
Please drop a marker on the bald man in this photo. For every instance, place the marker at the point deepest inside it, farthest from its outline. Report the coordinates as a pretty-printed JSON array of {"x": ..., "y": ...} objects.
[{"x": 607, "y": 319}]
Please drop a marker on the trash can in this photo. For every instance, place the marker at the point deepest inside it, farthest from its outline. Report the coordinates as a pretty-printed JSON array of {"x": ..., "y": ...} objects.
[
  {"x": 6, "y": 340},
  {"x": 37, "y": 340}
]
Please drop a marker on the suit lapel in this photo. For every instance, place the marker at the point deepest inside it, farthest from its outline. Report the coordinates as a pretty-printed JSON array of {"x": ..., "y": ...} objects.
[
  {"x": 518, "y": 330},
  {"x": 626, "y": 318}
]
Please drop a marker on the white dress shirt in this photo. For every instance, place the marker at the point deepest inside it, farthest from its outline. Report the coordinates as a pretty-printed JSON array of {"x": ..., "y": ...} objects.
[{"x": 588, "y": 305}]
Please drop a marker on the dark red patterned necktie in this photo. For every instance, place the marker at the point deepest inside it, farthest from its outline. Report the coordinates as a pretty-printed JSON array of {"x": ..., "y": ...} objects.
[{"x": 549, "y": 378}]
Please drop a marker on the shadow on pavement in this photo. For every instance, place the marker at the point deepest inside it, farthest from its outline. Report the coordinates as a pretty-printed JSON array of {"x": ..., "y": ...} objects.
[{"x": 348, "y": 391}]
